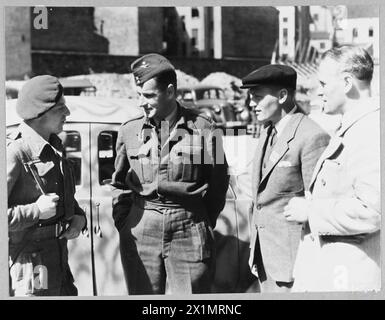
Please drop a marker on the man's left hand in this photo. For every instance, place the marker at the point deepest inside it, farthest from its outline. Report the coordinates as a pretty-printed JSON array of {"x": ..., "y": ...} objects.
[
  {"x": 76, "y": 226},
  {"x": 297, "y": 210}
]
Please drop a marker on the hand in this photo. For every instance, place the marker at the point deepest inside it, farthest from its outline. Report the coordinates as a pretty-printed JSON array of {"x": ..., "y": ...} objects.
[
  {"x": 76, "y": 226},
  {"x": 47, "y": 205},
  {"x": 297, "y": 210}
]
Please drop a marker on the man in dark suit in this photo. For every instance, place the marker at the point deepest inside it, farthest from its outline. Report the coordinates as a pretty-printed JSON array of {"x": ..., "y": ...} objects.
[{"x": 289, "y": 147}]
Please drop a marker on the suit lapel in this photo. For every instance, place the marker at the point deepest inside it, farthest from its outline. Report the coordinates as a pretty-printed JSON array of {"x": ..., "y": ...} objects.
[
  {"x": 334, "y": 145},
  {"x": 258, "y": 161},
  {"x": 282, "y": 144}
]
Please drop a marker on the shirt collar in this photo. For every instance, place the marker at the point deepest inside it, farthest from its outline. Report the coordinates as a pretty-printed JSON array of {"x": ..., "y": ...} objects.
[
  {"x": 176, "y": 117},
  {"x": 281, "y": 124},
  {"x": 37, "y": 143},
  {"x": 364, "y": 107}
]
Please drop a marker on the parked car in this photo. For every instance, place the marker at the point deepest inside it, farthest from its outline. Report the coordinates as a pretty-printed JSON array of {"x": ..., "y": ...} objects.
[
  {"x": 211, "y": 100},
  {"x": 89, "y": 138}
]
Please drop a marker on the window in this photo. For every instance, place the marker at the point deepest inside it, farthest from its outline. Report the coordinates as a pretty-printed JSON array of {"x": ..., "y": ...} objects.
[
  {"x": 285, "y": 37},
  {"x": 194, "y": 39},
  {"x": 322, "y": 45},
  {"x": 106, "y": 154},
  {"x": 72, "y": 147},
  {"x": 355, "y": 33},
  {"x": 370, "y": 32},
  {"x": 315, "y": 17},
  {"x": 285, "y": 19},
  {"x": 194, "y": 12}
]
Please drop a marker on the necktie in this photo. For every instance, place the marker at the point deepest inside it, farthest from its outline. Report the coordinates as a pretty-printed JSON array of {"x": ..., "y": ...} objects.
[{"x": 271, "y": 140}]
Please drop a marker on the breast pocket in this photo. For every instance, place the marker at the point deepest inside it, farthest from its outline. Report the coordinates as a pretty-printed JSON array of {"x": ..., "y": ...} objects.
[
  {"x": 330, "y": 178},
  {"x": 287, "y": 180},
  {"x": 141, "y": 164},
  {"x": 185, "y": 163}
]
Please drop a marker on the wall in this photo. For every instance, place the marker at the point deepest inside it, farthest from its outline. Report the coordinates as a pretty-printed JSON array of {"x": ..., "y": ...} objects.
[
  {"x": 69, "y": 29},
  {"x": 120, "y": 26},
  {"x": 151, "y": 21},
  {"x": 249, "y": 31},
  {"x": 17, "y": 42}
]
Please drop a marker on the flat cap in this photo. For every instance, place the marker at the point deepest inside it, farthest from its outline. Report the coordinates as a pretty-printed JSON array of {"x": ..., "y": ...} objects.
[
  {"x": 149, "y": 66},
  {"x": 272, "y": 74},
  {"x": 37, "y": 96}
]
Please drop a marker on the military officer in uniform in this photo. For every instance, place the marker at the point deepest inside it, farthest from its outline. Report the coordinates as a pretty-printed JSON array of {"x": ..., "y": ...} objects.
[
  {"x": 170, "y": 185},
  {"x": 42, "y": 211}
]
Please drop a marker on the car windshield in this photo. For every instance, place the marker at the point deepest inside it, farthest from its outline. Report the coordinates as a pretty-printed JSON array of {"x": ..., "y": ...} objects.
[{"x": 210, "y": 93}]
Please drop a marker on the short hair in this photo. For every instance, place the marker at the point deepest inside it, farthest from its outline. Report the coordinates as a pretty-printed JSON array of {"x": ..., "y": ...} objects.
[
  {"x": 354, "y": 60},
  {"x": 165, "y": 78}
]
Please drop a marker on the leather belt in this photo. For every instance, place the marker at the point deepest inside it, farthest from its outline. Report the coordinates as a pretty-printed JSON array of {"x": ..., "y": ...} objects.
[
  {"x": 52, "y": 231},
  {"x": 354, "y": 239}
]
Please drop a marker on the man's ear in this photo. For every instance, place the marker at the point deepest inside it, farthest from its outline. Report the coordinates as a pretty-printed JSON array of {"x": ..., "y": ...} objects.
[
  {"x": 348, "y": 82},
  {"x": 171, "y": 92},
  {"x": 282, "y": 96}
]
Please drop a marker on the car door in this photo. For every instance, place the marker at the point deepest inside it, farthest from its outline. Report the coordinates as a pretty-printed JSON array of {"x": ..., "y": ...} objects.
[
  {"x": 76, "y": 142},
  {"x": 109, "y": 276}
]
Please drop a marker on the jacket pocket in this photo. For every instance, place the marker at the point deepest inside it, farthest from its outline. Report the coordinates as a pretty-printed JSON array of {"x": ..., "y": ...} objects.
[
  {"x": 286, "y": 180},
  {"x": 203, "y": 239},
  {"x": 141, "y": 164},
  {"x": 185, "y": 163}
]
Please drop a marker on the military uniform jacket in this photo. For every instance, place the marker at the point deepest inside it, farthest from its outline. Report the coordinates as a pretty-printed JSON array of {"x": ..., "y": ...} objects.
[
  {"x": 26, "y": 145},
  {"x": 189, "y": 165}
]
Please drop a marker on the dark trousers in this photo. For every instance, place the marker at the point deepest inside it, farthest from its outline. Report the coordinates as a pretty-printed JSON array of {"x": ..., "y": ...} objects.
[
  {"x": 41, "y": 269},
  {"x": 167, "y": 250}
]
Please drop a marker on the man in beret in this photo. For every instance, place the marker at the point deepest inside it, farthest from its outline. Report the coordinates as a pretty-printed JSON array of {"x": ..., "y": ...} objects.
[
  {"x": 42, "y": 211},
  {"x": 288, "y": 149},
  {"x": 170, "y": 185}
]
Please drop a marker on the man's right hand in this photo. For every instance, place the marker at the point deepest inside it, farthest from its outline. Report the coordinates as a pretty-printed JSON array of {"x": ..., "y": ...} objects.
[{"x": 47, "y": 205}]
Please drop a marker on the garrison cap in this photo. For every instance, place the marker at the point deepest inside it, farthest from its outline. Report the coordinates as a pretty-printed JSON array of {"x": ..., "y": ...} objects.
[
  {"x": 149, "y": 66},
  {"x": 272, "y": 74},
  {"x": 37, "y": 96}
]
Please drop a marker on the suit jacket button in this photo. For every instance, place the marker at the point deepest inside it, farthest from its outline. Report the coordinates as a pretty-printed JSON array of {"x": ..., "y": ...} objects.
[{"x": 323, "y": 182}]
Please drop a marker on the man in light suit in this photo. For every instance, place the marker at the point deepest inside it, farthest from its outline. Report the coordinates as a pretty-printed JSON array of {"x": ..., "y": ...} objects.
[
  {"x": 288, "y": 150},
  {"x": 340, "y": 248}
]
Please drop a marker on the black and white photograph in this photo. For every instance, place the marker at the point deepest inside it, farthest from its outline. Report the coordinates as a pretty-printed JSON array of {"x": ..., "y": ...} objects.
[{"x": 181, "y": 151}]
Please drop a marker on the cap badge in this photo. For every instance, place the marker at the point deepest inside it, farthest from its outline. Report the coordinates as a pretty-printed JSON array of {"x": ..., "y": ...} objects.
[{"x": 144, "y": 65}]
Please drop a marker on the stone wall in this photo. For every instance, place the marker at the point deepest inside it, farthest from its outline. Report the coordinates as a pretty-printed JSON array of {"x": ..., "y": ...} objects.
[
  {"x": 249, "y": 31},
  {"x": 17, "y": 42}
]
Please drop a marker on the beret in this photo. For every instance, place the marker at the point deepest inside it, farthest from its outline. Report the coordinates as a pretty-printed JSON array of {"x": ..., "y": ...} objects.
[
  {"x": 149, "y": 66},
  {"x": 272, "y": 74},
  {"x": 37, "y": 96}
]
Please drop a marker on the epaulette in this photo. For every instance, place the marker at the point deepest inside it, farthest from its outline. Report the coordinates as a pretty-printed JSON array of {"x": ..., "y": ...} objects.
[
  {"x": 12, "y": 136},
  {"x": 139, "y": 116}
]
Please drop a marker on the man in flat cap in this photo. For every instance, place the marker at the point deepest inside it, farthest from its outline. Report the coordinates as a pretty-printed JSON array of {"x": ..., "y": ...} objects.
[
  {"x": 170, "y": 185},
  {"x": 340, "y": 249},
  {"x": 288, "y": 149},
  {"x": 42, "y": 211}
]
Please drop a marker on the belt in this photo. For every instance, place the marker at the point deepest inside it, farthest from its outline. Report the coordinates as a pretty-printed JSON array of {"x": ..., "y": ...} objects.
[
  {"x": 49, "y": 232},
  {"x": 167, "y": 202},
  {"x": 354, "y": 239}
]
